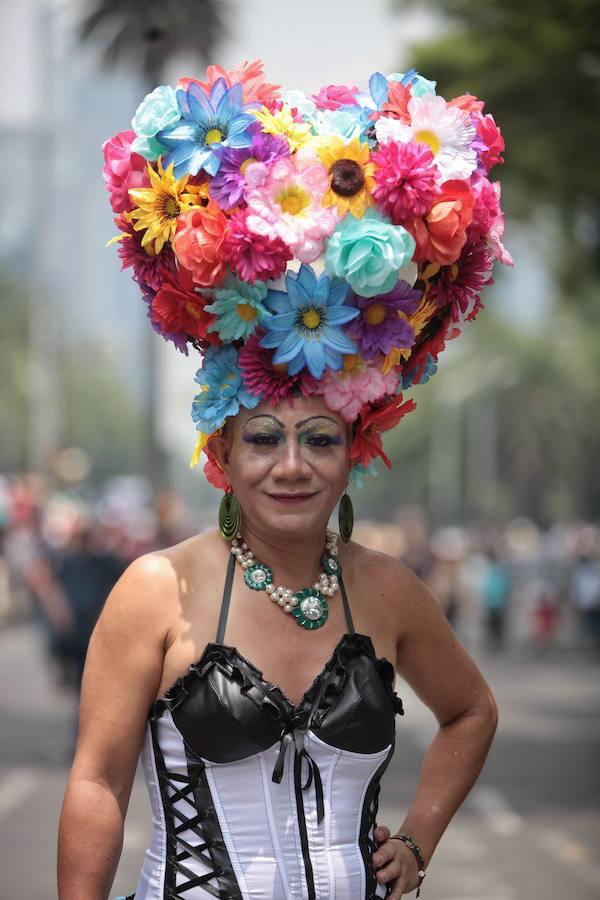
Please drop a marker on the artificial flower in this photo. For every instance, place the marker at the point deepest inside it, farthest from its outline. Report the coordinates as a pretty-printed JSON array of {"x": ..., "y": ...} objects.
[
  {"x": 200, "y": 234},
  {"x": 459, "y": 286},
  {"x": 178, "y": 308},
  {"x": 396, "y": 105},
  {"x": 222, "y": 392},
  {"x": 158, "y": 110},
  {"x": 332, "y": 96},
  {"x": 488, "y": 221},
  {"x": 229, "y": 184},
  {"x": 198, "y": 448},
  {"x": 306, "y": 326},
  {"x": 406, "y": 179},
  {"x": 123, "y": 169},
  {"x": 249, "y": 74},
  {"x": 442, "y": 233},
  {"x": 253, "y": 256},
  {"x": 372, "y": 421},
  {"x": 358, "y": 382},
  {"x": 283, "y": 123},
  {"x": 356, "y": 476},
  {"x": 350, "y": 174},
  {"x": 289, "y": 205},
  {"x": 347, "y": 123},
  {"x": 382, "y": 323},
  {"x": 489, "y": 142},
  {"x": 158, "y": 207},
  {"x": 238, "y": 308},
  {"x": 148, "y": 268},
  {"x": 208, "y": 125},
  {"x": 270, "y": 381},
  {"x": 368, "y": 253},
  {"x": 468, "y": 103},
  {"x": 213, "y": 472},
  {"x": 448, "y": 131}
]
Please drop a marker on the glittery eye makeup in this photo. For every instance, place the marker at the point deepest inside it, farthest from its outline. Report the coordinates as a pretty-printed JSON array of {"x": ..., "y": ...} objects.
[
  {"x": 262, "y": 431},
  {"x": 320, "y": 432},
  {"x": 316, "y": 432}
]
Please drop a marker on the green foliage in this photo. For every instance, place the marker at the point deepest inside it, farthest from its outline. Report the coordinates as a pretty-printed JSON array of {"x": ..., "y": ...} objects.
[{"x": 13, "y": 374}]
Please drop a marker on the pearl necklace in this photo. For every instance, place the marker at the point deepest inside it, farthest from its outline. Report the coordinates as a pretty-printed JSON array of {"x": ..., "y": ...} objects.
[{"x": 308, "y": 605}]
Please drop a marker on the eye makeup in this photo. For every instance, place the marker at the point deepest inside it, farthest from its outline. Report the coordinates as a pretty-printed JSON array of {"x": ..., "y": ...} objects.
[
  {"x": 320, "y": 431},
  {"x": 262, "y": 430}
]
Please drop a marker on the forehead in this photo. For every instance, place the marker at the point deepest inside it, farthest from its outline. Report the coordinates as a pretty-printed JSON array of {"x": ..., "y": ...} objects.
[{"x": 302, "y": 408}]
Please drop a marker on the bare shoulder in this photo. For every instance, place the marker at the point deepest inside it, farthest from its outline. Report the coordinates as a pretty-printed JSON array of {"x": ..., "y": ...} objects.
[{"x": 392, "y": 579}]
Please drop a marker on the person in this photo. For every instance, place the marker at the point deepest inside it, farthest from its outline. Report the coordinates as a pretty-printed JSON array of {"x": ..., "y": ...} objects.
[{"x": 253, "y": 666}]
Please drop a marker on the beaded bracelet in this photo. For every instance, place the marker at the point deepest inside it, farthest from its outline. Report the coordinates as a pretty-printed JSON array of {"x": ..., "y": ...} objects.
[{"x": 406, "y": 839}]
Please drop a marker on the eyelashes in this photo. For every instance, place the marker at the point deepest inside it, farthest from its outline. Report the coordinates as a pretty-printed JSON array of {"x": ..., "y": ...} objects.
[{"x": 273, "y": 439}]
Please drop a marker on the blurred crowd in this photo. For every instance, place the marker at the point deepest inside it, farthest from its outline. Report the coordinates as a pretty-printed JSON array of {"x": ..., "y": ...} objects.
[{"x": 501, "y": 587}]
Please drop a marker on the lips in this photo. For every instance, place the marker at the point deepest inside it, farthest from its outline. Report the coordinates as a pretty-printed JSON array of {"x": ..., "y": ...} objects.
[{"x": 291, "y": 498}]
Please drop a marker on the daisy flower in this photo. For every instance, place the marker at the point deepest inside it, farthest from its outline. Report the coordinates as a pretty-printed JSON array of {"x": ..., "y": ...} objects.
[
  {"x": 306, "y": 326},
  {"x": 281, "y": 122},
  {"x": 238, "y": 308},
  {"x": 229, "y": 184},
  {"x": 350, "y": 174},
  {"x": 222, "y": 392},
  {"x": 158, "y": 207},
  {"x": 448, "y": 131},
  {"x": 382, "y": 323},
  {"x": 289, "y": 205}
]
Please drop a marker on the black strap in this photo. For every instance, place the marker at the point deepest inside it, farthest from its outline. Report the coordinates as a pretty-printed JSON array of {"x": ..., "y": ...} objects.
[
  {"x": 225, "y": 600},
  {"x": 347, "y": 612}
]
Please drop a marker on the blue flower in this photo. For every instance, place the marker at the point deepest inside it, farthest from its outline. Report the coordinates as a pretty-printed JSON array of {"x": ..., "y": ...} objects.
[
  {"x": 429, "y": 369},
  {"x": 223, "y": 391},
  {"x": 157, "y": 111},
  {"x": 239, "y": 309},
  {"x": 305, "y": 329},
  {"x": 207, "y": 125},
  {"x": 356, "y": 477},
  {"x": 418, "y": 85}
]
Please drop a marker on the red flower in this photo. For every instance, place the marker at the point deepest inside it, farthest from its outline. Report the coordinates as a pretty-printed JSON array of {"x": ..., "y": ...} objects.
[
  {"x": 373, "y": 419},
  {"x": 178, "y": 309},
  {"x": 214, "y": 473},
  {"x": 442, "y": 233},
  {"x": 433, "y": 342},
  {"x": 490, "y": 137},
  {"x": 459, "y": 286},
  {"x": 396, "y": 104}
]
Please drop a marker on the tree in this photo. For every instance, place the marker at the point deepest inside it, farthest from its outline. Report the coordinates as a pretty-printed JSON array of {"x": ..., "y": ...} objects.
[{"x": 144, "y": 35}]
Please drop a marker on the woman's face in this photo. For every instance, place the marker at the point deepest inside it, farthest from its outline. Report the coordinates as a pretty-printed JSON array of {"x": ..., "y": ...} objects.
[{"x": 287, "y": 465}]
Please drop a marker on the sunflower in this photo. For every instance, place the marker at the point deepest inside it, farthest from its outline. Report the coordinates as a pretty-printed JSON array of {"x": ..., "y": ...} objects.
[
  {"x": 350, "y": 174},
  {"x": 283, "y": 123},
  {"x": 159, "y": 206}
]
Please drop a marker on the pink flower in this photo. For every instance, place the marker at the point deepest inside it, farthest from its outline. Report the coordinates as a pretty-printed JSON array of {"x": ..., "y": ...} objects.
[
  {"x": 460, "y": 284},
  {"x": 467, "y": 102},
  {"x": 288, "y": 205},
  {"x": 332, "y": 96},
  {"x": 251, "y": 256},
  {"x": 490, "y": 140},
  {"x": 488, "y": 220},
  {"x": 123, "y": 170},
  {"x": 249, "y": 74},
  {"x": 149, "y": 270},
  {"x": 406, "y": 179},
  {"x": 200, "y": 234},
  {"x": 357, "y": 383},
  {"x": 266, "y": 380}
]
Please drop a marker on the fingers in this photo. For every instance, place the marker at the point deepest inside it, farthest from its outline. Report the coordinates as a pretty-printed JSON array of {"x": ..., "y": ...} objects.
[
  {"x": 397, "y": 889},
  {"x": 393, "y": 863},
  {"x": 381, "y": 834}
]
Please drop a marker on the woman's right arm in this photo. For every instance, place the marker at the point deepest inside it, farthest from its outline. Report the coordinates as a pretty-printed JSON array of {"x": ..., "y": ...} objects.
[{"x": 122, "y": 675}]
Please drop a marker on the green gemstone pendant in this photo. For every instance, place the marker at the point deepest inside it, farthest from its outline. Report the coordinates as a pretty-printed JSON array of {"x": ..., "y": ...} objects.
[
  {"x": 331, "y": 564},
  {"x": 312, "y": 610},
  {"x": 258, "y": 576}
]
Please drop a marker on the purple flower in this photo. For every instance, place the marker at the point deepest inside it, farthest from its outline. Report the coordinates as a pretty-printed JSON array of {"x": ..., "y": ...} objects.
[
  {"x": 379, "y": 328},
  {"x": 227, "y": 187}
]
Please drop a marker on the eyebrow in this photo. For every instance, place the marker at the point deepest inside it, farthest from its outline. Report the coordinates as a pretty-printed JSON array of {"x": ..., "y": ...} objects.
[{"x": 297, "y": 425}]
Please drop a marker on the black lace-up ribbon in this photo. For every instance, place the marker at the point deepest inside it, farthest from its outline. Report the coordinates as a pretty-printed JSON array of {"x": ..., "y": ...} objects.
[{"x": 295, "y": 737}]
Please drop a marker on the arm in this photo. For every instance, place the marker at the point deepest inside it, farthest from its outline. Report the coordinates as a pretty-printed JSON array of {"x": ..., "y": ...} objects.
[
  {"x": 445, "y": 678},
  {"x": 122, "y": 675}
]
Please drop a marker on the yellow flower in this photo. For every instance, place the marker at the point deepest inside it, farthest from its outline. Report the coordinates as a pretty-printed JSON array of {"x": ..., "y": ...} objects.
[
  {"x": 350, "y": 174},
  {"x": 200, "y": 445},
  {"x": 159, "y": 206},
  {"x": 418, "y": 320},
  {"x": 282, "y": 123}
]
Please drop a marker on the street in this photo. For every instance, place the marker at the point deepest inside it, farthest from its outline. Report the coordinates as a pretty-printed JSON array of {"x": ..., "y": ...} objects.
[{"x": 529, "y": 831}]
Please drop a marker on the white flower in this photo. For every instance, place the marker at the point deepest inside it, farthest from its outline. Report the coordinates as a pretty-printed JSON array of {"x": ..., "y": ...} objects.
[{"x": 446, "y": 129}]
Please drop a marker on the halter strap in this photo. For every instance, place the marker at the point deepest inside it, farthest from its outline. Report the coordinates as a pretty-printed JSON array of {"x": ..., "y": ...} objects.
[
  {"x": 347, "y": 612},
  {"x": 227, "y": 596},
  {"x": 225, "y": 600}
]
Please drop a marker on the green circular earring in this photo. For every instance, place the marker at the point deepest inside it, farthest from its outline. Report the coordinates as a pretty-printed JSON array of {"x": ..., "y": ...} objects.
[
  {"x": 346, "y": 518},
  {"x": 230, "y": 516}
]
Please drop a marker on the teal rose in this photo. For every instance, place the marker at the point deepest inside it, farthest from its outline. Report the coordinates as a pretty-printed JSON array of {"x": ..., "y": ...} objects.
[
  {"x": 368, "y": 253},
  {"x": 156, "y": 111}
]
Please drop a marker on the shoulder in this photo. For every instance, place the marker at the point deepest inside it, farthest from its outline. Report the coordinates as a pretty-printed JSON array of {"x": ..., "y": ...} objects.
[{"x": 392, "y": 578}]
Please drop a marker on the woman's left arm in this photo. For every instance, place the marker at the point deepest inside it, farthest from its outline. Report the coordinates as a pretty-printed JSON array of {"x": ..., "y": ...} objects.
[{"x": 443, "y": 675}]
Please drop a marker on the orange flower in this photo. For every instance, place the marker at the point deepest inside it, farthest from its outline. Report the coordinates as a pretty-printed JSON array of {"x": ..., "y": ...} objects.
[
  {"x": 396, "y": 104},
  {"x": 442, "y": 233},
  {"x": 373, "y": 419},
  {"x": 468, "y": 102},
  {"x": 249, "y": 74},
  {"x": 200, "y": 233}
]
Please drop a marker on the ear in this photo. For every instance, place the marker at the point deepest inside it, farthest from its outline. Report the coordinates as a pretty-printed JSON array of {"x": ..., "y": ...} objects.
[{"x": 218, "y": 446}]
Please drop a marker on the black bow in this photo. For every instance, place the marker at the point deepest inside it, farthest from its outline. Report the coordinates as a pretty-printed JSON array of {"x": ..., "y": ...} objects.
[{"x": 296, "y": 737}]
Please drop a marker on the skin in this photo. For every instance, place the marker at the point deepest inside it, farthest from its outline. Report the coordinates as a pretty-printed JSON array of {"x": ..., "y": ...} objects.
[{"x": 165, "y": 608}]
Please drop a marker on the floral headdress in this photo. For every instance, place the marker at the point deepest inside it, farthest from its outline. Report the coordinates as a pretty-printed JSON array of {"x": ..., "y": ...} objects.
[{"x": 327, "y": 244}]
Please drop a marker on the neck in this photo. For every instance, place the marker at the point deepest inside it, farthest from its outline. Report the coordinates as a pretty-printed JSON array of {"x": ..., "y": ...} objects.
[{"x": 297, "y": 561}]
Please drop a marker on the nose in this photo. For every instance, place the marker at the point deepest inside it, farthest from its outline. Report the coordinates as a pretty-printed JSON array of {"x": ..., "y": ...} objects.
[{"x": 290, "y": 463}]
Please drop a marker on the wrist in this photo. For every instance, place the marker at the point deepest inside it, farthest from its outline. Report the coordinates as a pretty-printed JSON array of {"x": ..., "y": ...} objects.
[{"x": 416, "y": 851}]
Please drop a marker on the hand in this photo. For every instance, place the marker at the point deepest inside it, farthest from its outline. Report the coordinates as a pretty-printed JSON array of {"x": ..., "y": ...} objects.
[{"x": 396, "y": 864}]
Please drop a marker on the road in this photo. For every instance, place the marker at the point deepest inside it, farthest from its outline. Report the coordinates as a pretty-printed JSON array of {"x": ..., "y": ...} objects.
[{"x": 529, "y": 831}]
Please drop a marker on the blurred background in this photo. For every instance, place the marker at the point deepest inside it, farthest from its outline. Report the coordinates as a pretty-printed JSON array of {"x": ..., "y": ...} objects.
[{"x": 494, "y": 497}]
